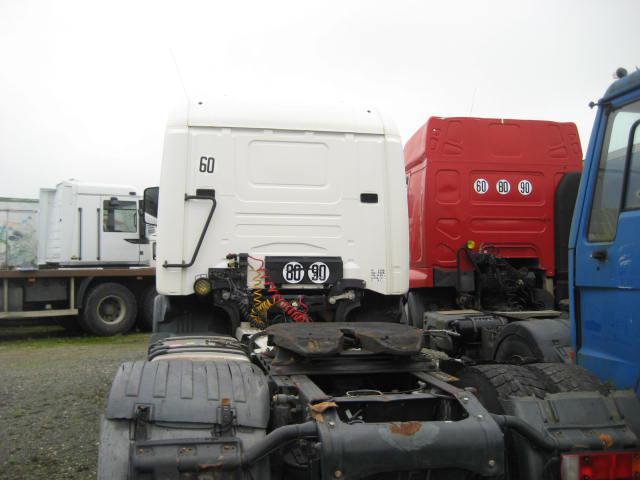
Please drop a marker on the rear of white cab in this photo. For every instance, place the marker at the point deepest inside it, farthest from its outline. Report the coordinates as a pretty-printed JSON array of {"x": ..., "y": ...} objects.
[{"x": 304, "y": 186}]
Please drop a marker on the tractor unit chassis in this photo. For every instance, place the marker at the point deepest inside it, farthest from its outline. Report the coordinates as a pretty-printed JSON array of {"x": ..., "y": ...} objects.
[{"x": 336, "y": 401}]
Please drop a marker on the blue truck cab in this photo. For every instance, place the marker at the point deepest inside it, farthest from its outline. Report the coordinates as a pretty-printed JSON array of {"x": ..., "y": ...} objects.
[{"x": 604, "y": 245}]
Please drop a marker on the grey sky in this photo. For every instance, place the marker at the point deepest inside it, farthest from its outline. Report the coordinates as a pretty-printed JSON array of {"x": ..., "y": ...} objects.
[{"x": 85, "y": 86}]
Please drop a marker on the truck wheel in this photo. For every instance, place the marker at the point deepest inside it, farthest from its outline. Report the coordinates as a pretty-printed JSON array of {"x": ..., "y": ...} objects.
[
  {"x": 113, "y": 455},
  {"x": 109, "y": 309},
  {"x": 564, "y": 377},
  {"x": 494, "y": 384},
  {"x": 145, "y": 309}
]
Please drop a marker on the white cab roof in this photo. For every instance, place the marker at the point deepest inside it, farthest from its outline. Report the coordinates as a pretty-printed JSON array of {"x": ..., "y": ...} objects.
[
  {"x": 99, "y": 188},
  {"x": 260, "y": 114}
]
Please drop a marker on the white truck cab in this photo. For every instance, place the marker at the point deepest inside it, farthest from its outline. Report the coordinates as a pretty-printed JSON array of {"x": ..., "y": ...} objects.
[
  {"x": 87, "y": 224},
  {"x": 273, "y": 204}
]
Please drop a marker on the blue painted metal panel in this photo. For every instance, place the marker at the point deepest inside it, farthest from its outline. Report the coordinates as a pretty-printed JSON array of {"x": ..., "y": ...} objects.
[{"x": 605, "y": 298}]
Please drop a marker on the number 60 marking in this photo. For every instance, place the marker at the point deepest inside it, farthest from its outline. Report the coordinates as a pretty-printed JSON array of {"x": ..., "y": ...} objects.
[{"x": 207, "y": 164}]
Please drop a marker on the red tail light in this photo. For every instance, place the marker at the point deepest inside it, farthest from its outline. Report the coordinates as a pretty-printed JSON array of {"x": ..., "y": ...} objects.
[{"x": 601, "y": 466}]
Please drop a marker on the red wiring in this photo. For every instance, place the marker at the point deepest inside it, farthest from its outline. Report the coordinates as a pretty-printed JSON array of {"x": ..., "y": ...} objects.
[{"x": 289, "y": 310}]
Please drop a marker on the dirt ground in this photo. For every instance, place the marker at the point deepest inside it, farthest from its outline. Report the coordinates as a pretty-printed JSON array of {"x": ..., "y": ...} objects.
[{"x": 53, "y": 389}]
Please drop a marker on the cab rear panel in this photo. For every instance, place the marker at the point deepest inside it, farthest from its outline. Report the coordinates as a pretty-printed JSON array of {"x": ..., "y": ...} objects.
[
  {"x": 491, "y": 181},
  {"x": 309, "y": 211}
]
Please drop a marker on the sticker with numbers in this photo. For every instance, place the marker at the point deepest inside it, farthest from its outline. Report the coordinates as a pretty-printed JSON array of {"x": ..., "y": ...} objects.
[
  {"x": 318, "y": 272},
  {"x": 378, "y": 275},
  {"x": 481, "y": 186},
  {"x": 525, "y": 187},
  {"x": 293, "y": 272},
  {"x": 503, "y": 186}
]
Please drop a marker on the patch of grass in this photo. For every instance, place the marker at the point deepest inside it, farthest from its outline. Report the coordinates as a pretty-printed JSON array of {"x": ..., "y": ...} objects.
[
  {"x": 18, "y": 412},
  {"x": 47, "y": 342}
]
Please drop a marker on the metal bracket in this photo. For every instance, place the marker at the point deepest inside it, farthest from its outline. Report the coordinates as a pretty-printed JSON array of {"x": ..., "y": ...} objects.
[
  {"x": 348, "y": 295},
  {"x": 142, "y": 416}
]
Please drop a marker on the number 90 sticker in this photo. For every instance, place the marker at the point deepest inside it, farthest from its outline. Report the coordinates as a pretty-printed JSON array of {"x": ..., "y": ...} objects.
[
  {"x": 293, "y": 272},
  {"x": 525, "y": 187},
  {"x": 318, "y": 272}
]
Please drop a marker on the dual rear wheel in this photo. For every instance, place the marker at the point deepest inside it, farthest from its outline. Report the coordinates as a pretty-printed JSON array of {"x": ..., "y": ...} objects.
[{"x": 494, "y": 384}]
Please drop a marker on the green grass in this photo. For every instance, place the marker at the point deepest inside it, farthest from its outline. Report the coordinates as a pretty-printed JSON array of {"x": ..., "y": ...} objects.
[{"x": 47, "y": 337}]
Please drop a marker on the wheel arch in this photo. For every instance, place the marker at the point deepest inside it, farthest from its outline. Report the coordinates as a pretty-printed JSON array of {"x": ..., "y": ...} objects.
[{"x": 546, "y": 336}]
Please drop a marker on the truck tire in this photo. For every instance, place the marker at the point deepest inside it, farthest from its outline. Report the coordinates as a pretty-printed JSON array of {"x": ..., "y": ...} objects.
[
  {"x": 109, "y": 309},
  {"x": 145, "y": 309},
  {"x": 113, "y": 457},
  {"x": 494, "y": 384},
  {"x": 563, "y": 377}
]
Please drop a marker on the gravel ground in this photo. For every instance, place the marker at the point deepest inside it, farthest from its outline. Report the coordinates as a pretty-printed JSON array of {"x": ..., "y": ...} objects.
[{"x": 53, "y": 389}]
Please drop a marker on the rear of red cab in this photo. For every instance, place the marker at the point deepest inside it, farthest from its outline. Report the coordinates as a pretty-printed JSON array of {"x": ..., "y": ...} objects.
[{"x": 494, "y": 185}]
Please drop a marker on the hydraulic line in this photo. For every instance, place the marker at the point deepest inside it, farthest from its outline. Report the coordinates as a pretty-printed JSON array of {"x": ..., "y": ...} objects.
[
  {"x": 261, "y": 304},
  {"x": 287, "y": 308}
]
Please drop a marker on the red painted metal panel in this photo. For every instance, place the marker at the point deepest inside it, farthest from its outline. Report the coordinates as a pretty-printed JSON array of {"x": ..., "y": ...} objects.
[{"x": 492, "y": 181}]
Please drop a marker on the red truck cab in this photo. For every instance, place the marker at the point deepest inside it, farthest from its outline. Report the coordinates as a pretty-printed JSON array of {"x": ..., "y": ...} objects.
[{"x": 490, "y": 193}]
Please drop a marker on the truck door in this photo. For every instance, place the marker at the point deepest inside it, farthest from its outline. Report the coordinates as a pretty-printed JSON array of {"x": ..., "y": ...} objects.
[
  {"x": 84, "y": 247},
  {"x": 118, "y": 222},
  {"x": 607, "y": 250}
]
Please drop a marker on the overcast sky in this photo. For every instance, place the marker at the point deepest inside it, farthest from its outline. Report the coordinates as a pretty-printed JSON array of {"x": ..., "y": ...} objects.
[{"x": 85, "y": 86}]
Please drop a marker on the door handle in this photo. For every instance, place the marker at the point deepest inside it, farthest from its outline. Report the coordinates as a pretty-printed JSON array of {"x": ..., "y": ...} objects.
[{"x": 600, "y": 255}]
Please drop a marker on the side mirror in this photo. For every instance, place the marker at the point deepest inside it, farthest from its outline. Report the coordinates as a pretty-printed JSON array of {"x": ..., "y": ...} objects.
[{"x": 150, "y": 205}]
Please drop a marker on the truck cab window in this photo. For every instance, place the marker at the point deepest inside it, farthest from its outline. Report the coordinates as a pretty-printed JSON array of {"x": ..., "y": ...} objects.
[
  {"x": 120, "y": 217},
  {"x": 607, "y": 197},
  {"x": 632, "y": 191}
]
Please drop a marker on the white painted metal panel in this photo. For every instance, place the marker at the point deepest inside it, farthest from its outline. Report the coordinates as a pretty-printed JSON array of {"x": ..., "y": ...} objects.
[{"x": 285, "y": 192}]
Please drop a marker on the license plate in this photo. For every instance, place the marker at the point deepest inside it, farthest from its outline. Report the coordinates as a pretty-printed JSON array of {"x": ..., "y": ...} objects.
[{"x": 304, "y": 270}]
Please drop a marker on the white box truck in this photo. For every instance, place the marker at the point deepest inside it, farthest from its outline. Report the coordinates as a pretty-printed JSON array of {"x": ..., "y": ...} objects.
[{"x": 80, "y": 251}]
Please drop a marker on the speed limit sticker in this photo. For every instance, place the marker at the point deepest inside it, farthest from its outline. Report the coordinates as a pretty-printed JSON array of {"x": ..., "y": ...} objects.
[
  {"x": 503, "y": 186},
  {"x": 318, "y": 272},
  {"x": 481, "y": 186},
  {"x": 293, "y": 272},
  {"x": 525, "y": 187}
]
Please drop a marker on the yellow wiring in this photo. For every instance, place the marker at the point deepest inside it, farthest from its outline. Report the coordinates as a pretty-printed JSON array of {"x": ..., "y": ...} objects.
[
  {"x": 260, "y": 304},
  {"x": 262, "y": 308}
]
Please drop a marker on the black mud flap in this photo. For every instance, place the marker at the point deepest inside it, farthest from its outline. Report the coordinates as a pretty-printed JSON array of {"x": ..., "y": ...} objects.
[
  {"x": 186, "y": 415},
  {"x": 575, "y": 421}
]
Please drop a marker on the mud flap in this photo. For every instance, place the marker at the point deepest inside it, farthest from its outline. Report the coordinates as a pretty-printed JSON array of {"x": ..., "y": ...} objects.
[
  {"x": 185, "y": 414},
  {"x": 545, "y": 340},
  {"x": 576, "y": 421}
]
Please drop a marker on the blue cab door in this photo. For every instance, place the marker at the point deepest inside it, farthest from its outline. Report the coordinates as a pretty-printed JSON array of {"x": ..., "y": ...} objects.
[{"x": 605, "y": 248}]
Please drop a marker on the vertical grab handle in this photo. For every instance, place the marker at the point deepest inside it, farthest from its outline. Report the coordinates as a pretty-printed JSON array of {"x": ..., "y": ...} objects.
[
  {"x": 98, "y": 224},
  {"x": 80, "y": 233},
  {"x": 200, "y": 195}
]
